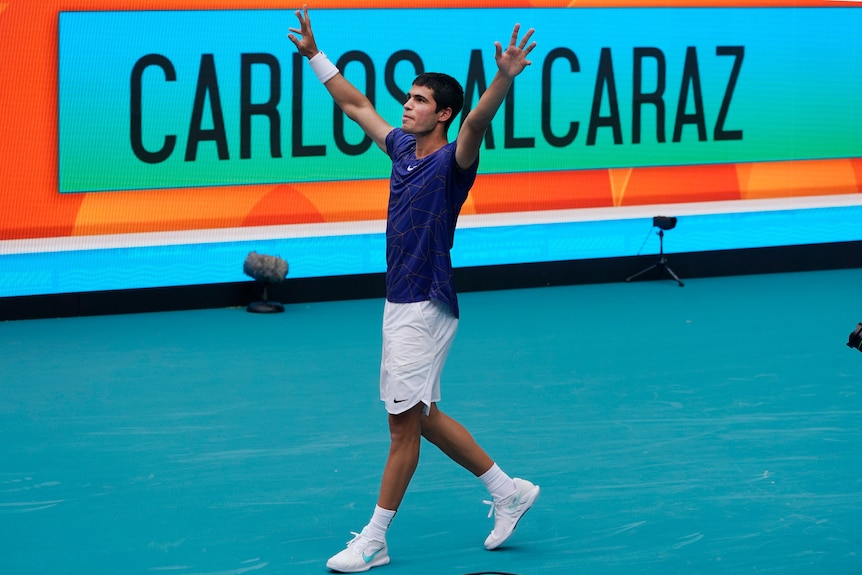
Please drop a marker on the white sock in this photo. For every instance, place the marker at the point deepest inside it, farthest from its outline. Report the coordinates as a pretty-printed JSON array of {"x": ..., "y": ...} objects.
[
  {"x": 379, "y": 524},
  {"x": 499, "y": 485}
]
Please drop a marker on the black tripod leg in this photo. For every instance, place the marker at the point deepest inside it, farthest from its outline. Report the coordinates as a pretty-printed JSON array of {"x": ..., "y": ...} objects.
[
  {"x": 673, "y": 275},
  {"x": 642, "y": 272}
]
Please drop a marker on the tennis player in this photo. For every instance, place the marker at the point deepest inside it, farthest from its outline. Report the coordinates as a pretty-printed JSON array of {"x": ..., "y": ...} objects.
[{"x": 429, "y": 183}]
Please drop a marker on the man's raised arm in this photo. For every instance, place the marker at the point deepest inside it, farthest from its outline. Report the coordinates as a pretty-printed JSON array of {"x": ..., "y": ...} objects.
[
  {"x": 353, "y": 102},
  {"x": 509, "y": 64}
]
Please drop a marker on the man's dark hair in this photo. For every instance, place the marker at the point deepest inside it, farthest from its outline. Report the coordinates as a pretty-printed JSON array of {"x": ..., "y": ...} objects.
[{"x": 448, "y": 93}]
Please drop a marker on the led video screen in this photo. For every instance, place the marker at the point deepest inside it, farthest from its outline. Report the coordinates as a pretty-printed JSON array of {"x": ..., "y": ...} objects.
[{"x": 151, "y": 144}]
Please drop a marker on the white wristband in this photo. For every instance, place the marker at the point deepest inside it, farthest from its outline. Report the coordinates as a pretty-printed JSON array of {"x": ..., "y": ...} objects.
[{"x": 322, "y": 67}]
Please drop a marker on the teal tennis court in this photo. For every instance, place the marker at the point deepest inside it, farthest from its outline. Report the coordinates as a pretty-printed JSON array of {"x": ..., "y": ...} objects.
[{"x": 712, "y": 429}]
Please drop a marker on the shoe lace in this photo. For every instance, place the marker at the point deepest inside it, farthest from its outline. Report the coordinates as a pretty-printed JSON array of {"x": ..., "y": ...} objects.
[
  {"x": 356, "y": 539},
  {"x": 359, "y": 542},
  {"x": 493, "y": 509},
  {"x": 502, "y": 504}
]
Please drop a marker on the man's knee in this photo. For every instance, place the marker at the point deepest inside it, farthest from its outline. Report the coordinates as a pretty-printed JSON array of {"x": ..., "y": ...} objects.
[{"x": 406, "y": 426}]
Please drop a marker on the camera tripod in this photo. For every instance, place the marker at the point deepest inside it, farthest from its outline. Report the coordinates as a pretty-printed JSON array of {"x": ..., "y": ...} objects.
[{"x": 660, "y": 265}]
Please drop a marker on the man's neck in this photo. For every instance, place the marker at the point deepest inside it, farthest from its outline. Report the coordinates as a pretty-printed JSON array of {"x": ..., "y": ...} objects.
[{"x": 427, "y": 144}]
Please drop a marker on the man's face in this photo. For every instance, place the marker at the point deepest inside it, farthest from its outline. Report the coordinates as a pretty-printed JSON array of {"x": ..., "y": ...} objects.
[{"x": 420, "y": 111}]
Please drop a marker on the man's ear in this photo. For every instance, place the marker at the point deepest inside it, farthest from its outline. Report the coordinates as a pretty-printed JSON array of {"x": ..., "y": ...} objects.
[{"x": 444, "y": 114}]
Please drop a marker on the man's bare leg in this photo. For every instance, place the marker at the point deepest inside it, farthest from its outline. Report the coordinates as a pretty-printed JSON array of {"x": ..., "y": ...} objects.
[
  {"x": 455, "y": 441},
  {"x": 511, "y": 498},
  {"x": 405, "y": 434},
  {"x": 368, "y": 549}
]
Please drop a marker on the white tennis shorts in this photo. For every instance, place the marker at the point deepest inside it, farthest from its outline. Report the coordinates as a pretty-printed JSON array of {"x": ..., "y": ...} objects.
[{"x": 416, "y": 341}]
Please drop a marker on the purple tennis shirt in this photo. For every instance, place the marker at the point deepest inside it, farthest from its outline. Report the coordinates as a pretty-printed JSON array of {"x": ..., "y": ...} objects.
[{"x": 425, "y": 198}]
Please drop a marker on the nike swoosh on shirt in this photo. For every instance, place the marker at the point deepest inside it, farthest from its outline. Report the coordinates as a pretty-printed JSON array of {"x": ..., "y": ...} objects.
[{"x": 411, "y": 168}]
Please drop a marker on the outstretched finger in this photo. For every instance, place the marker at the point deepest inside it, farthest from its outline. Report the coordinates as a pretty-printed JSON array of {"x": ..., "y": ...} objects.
[
  {"x": 302, "y": 15},
  {"x": 514, "y": 39},
  {"x": 526, "y": 39}
]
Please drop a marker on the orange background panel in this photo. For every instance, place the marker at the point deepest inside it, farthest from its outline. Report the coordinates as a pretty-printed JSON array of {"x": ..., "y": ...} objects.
[
  {"x": 348, "y": 201},
  {"x": 541, "y": 191},
  {"x": 857, "y": 170},
  {"x": 680, "y": 185},
  {"x": 321, "y": 202},
  {"x": 284, "y": 204},
  {"x": 165, "y": 210},
  {"x": 814, "y": 178}
]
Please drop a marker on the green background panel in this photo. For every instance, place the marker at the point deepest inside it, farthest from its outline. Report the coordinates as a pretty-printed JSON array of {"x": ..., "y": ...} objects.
[{"x": 795, "y": 97}]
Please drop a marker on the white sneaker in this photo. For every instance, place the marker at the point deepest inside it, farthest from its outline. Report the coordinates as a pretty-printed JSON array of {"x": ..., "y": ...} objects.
[
  {"x": 362, "y": 554},
  {"x": 507, "y": 512}
]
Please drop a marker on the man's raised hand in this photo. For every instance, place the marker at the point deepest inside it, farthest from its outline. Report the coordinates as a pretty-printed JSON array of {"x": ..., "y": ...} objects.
[
  {"x": 305, "y": 44},
  {"x": 513, "y": 60}
]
